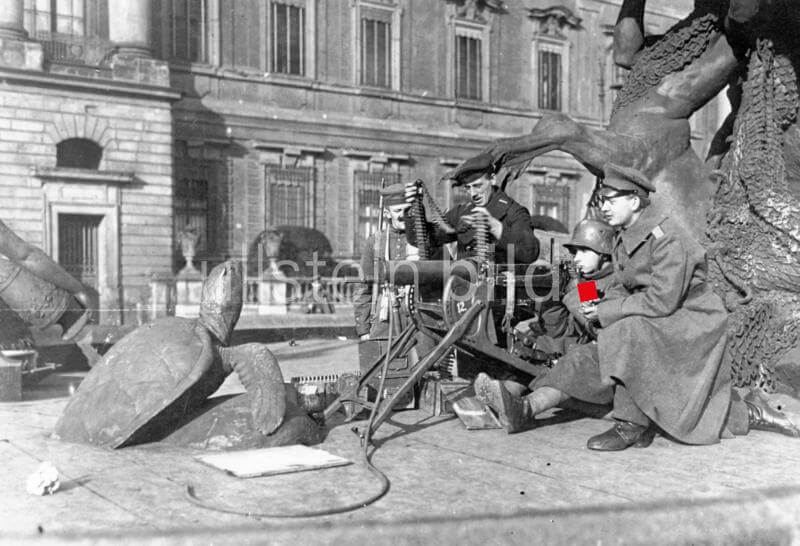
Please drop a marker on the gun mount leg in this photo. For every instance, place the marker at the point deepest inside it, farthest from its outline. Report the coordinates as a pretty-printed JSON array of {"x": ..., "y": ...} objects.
[
  {"x": 423, "y": 366},
  {"x": 350, "y": 394}
]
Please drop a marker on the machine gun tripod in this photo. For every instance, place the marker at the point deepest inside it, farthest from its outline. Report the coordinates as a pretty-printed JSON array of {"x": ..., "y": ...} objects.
[{"x": 461, "y": 319}]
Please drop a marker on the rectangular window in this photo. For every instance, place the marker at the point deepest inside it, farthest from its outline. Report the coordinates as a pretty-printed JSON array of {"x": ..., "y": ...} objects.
[
  {"x": 61, "y": 16},
  {"x": 468, "y": 68},
  {"x": 368, "y": 185},
  {"x": 551, "y": 200},
  {"x": 290, "y": 196},
  {"x": 376, "y": 53},
  {"x": 192, "y": 209},
  {"x": 287, "y": 39},
  {"x": 549, "y": 80},
  {"x": 78, "y": 248},
  {"x": 187, "y": 20},
  {"x": 545, "y": 208}
]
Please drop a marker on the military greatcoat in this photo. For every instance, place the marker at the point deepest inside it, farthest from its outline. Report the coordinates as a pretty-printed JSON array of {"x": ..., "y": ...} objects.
[{"x": 663, "y": 330}]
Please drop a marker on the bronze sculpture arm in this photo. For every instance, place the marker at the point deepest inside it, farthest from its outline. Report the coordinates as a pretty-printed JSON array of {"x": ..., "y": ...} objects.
[{"x": 629, "y": 32}]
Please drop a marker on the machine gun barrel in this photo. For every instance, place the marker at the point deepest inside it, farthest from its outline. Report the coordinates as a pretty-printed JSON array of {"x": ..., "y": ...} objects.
[{"x": 433, "y": 274}]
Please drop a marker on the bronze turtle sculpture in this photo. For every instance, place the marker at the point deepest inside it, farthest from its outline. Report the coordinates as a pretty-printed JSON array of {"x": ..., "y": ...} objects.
[
  {"x": 224, "y": 423},
  {"x": 159, "y": 376}
]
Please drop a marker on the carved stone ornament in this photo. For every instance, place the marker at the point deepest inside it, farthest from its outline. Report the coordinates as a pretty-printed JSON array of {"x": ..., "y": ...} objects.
[
  {"x": 479, "y": 11},
  {"x": 553, "y": 20}
]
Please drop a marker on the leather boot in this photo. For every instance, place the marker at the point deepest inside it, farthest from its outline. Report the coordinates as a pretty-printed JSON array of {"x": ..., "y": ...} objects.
[
  {"x": 512, "y": 411},
  {"x": 621, "y": 436},
  {"x": 763, "y": 417}
]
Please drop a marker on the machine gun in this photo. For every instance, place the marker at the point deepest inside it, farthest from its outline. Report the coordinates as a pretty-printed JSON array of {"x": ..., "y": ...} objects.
[{"x": 453, "y": 305}]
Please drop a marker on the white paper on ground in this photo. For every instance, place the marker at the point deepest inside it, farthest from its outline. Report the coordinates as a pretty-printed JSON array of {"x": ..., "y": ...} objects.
[{"x": 270, "y": 461}]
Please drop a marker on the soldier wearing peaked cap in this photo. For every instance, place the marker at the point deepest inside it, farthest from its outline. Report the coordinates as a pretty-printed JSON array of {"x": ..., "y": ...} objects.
[
  {"x": 377, "y": 306},
  {"x": 661, "y": 345},
  {"x": 388, "y": 244},
  {"x": 662, "y": 341},
  {"x": 626, "y": 179},
  {"x": 509, "y": 223}
]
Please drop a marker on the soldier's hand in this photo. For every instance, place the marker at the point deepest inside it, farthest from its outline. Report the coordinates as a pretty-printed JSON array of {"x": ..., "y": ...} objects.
[
  {"x": 363, "y": 337},
  {"x": 412, "y": 190},
  {"x": 495, "y": 225},
  {"x": 589, "y": 311},
  {"x": 480, "y": 214}
]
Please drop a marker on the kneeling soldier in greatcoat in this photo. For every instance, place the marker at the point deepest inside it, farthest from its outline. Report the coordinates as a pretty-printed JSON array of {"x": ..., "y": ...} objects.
[{"x": 662, "y": 337}]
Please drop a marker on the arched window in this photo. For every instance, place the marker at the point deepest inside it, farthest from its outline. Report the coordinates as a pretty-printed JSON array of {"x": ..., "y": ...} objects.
[{"x": 78, "y": 153}]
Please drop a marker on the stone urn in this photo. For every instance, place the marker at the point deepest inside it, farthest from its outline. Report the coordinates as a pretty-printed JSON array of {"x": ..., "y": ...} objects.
[{"x": 188, "y": 239}]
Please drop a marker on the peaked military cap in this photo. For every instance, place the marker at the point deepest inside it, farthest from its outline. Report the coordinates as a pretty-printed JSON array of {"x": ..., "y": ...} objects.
[
  {"x": 394, "y": 195},
  {"x": 625, "y": 179}
]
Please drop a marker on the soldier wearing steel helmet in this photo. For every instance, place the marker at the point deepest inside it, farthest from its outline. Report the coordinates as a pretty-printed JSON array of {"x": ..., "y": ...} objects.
[
  {"x": 591, "y": 245},
  {"x": 576, "y": 374}
]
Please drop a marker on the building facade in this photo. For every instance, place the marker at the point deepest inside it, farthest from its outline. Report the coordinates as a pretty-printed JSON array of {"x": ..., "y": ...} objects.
[{"x": 123, "y": 122}]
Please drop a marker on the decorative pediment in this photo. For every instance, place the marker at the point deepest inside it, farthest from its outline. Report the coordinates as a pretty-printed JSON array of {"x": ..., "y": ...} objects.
[
  {"x": 554, "y": 20},
  {"x": 478, "y": 11}
]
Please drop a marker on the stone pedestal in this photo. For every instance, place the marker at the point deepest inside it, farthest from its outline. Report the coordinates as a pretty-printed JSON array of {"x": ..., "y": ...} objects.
[
  {"x": 10, "y": 380},
  {"x": 272, "y": 296},
  {"x": 162, "y": 297},
  {"x": 189, "y": 292}
]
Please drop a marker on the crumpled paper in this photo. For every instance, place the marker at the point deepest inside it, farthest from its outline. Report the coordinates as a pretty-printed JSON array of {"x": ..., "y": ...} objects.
[{"x": 44, "y": 481}]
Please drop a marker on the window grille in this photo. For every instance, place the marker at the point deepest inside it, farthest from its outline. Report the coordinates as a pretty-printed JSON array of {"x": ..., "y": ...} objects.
[
  {"x": 290, "y": 196},
  {"x": 367, "y": 186},
  {"x": 78, "y": 249}
]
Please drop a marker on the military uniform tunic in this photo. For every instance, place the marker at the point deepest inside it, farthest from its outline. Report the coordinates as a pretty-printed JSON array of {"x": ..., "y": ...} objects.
[
  {"x": 663, "y": 332},
  {"x": 577, "y": 371},
  {"x": 397, "y": 249},
  {"x": 517, "y": 230}
]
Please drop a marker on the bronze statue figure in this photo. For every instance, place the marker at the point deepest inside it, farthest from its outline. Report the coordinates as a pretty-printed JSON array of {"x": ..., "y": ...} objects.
[{"x": 38, "y": 289}]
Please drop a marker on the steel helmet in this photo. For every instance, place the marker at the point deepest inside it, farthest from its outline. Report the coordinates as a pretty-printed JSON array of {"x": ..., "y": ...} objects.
[{"x": 592, "y": 234}]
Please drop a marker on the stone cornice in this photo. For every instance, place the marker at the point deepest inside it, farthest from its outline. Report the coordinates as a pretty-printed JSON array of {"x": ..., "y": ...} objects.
[
  {"x": 61, "y": 174},
  {"x": 89, "y": 85}
]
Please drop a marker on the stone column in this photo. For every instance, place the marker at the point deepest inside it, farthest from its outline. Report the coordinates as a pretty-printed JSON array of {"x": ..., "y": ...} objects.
[
  {"x": 129, "y": 26},
  {"x": 11, "y": 12}
]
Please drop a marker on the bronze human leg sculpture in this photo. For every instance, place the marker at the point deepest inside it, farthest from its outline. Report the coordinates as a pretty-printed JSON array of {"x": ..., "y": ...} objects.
[{"x": 38, "y": 288}]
